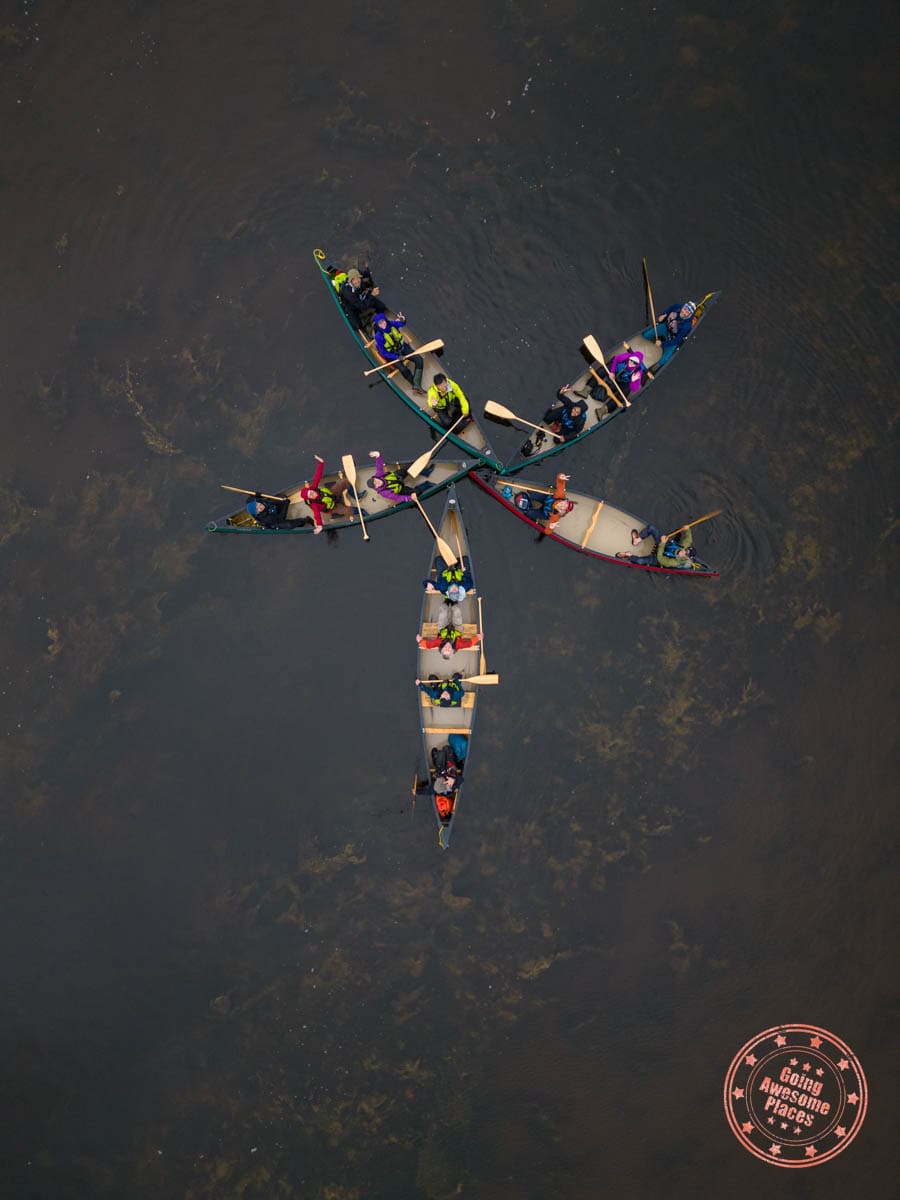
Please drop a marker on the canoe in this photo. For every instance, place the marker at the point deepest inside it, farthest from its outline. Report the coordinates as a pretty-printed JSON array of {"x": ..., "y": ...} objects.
[
  {"x": 439, "y": 723},
  {"x": 374, "y": 507},
  {"x": 594, "y": 527},
  {"x": 542, "y": 444},
  {"x": 474, "y": 444}
]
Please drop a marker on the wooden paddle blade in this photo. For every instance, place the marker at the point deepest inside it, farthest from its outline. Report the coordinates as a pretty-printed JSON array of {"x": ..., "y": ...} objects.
[
  {"x": 429, "y": 347},
  {"x": 420, "y": 463},
  {"x": 592, "y": 346},
  {"x": 482, "y": 679},
  {"x": 349, "y": 468},
  {"x": 493, "y": 409},
  {"x": 445, "y": 552}
]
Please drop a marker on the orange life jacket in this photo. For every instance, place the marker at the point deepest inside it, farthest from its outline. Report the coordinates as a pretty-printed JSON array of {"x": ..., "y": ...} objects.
[{"x": 444, "y": 805}]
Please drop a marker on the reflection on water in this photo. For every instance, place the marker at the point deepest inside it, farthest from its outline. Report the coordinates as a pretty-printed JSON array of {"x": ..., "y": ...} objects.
[{"x": 235, "y": 963}]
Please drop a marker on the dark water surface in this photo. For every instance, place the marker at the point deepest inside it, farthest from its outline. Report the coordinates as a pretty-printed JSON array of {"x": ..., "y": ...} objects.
[{"x": 235, "y": 962}]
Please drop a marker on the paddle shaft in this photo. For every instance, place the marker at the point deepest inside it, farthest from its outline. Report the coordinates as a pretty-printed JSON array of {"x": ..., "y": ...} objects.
[
  {"x": 476, "y": 679},
  {"x": 251, "y": 492},
  {"x": 650, "y": 298},
  {"x": 691, "y": 524},
  {"x": 419, "y": 464},
  {"x": 443, "y": 549},
  {"x": 437, "y": 344},
  {"x": 612, "y": 395},
  {"x": 500, "y": 410},
  {"x": 482, "y": 666},
  {"x": 350, "y": 471}
]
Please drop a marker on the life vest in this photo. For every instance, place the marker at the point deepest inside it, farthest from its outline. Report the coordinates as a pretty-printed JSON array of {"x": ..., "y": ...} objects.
[
  {"x": 392, "y": 481},
  {"x": 454, "y": 687},
  {"x": 672, "y": 322},
  {"x": 444, "y": 805},
  {"x": 449, "y": 634},
  {"x": 453, "y": 574},
  {"x": 452, "y": 399},
  {"x": 338, "y": 280},
  {"x": 393, "y": 340},
  {"x": 326, "y": 498},
  {"x": 671, "y": 548}
]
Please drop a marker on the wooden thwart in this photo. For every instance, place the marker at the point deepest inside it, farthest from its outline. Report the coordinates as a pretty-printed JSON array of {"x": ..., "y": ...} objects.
[
  {"x": 430, "y": 629},
  {"x": 590, "y": 528}
]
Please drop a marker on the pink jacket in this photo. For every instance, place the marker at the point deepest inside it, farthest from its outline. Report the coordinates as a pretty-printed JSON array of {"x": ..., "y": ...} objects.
[{"x": 634, "y": 373}]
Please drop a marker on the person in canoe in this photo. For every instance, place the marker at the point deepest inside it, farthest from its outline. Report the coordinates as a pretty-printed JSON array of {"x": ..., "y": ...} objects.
[
  {"x": 628, "y": 370},
  {"x": 449, "y": 638},
  {"x": 391, "y": 345},
  {"x": 454, "y": 583},
  {"x": 448, "y": 402},
  {"x": 360, "y": 297},
  {"x": 447, "y": 780},
  {"x": 559, "y": 503},
  {"x": 272, "y": 514},
  {"x": 443, "y": 693},
  {"x": 390, "y": 483},
  {"x": 567, "y": 415},
  {"x": 675, "y": 552},
  {"x": 672, "y": 327},
  {"x": 326, "y": 499}
]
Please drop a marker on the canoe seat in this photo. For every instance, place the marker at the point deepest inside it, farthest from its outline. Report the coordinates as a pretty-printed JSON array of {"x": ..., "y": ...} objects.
[
  {"x": 441, "y": 729},
  {"x": 430, "y": 630}
]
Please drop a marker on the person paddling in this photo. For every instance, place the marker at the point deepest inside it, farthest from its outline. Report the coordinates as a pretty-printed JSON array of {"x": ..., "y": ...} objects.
[
  {"x": 671, "y": 552},
  {"x": 672, "y": 327},
  {"x": 323, "y": 499}
]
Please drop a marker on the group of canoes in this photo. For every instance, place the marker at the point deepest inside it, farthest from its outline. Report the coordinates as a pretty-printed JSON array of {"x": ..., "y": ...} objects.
[{"x": 450, "y": 632}]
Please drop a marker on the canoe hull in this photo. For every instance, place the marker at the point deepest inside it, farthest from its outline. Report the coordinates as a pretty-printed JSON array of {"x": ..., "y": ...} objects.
[
  {"x": 595, "y": 527},
  {"x": 438, "y": 723},
  {"x": 442, "y": 475}
]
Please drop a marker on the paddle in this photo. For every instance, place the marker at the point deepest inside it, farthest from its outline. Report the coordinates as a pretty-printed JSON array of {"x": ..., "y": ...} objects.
[
  {"x": 251, "y": 492},
  {"x": 593, "y": 347},
  {"x": 443, "y": 549},
  {"x": 699, "y": 521},
  {"x": 437, "y": 344},
  {"x": 498, "y": 410},
  {"x": 482, "y": 664},
  {"x": 420, "y": 462},
  {"x": 478, "y": 679},
  {"x": 350, "y": 471},
  {"x": 650, "y": 299}
]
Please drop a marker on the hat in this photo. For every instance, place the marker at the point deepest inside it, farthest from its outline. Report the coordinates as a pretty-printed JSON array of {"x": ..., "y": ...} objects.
[
  {"x": 456, "y": 593},
  {"x": 633, "y": 360},
  {"x": 306, "y": 492},
  {"x": 353, "y": 275},
  {"x": 380, "y": 318},
  {"x": 690, "y": 305}
]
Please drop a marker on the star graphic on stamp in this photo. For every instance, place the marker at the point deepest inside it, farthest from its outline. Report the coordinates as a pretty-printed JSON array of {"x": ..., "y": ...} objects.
[
  {"x": 783, "y": 1124},
  {"x": 843, "y": 1064},
  {"x": 819, "y": 1071},
  {"x": 806, "y": 1066},
  {"x": 750, "y": 1060},
  {"x": 815, "y": 1042},
  {"x": 796, "y": 1129},
  {"x": 774, "y": 1150},
  {"x": 794, "y": 1062},
  {"x": 840, "y": 1131},
  {"x": 853, "y": 1098},
  {"x": 811, "y": 1152},
  {"x": 781, "y": 1040},
  {"x": 738, "y": 1093},
  {"x": 771, "y": 1121},
  {"x": 747, "y": 1127}
]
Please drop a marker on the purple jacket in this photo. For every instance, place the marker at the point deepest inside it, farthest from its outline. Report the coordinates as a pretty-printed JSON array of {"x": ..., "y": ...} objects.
[{"x": 618, "y": 366}]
